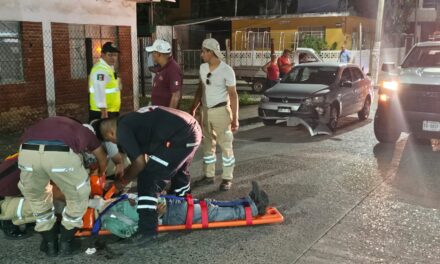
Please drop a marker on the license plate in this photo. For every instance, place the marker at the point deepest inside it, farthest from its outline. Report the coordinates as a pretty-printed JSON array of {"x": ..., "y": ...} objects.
[
  {"x": 431, "y": 126},
  {"x": 284, "y": 110}
]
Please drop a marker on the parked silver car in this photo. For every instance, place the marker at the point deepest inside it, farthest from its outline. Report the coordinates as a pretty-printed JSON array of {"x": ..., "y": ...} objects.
[{"x": 317, "y": 95}]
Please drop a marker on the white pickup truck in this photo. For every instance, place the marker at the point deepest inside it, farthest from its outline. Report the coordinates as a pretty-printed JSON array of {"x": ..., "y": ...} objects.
[{"x": 257, "y": 77}]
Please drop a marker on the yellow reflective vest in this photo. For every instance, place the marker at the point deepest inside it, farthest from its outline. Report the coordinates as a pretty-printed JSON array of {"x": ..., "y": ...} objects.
[{"x": 112, "y": 92}]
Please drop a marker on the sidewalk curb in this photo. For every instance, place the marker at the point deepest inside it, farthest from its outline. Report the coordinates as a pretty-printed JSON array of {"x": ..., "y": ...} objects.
[{"x": 249, "y": 121}]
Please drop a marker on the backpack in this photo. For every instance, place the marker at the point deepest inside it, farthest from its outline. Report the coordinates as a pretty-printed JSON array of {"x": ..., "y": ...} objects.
[{"x": 121, "y": 220}]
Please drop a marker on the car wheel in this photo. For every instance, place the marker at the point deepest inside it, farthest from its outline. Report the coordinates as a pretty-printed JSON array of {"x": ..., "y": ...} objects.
[
  {"x": 365, "y": 111},
  {"x": 334, "y": 116},
  {"x": 258, "y": 86},
  {"x": 384, "y": 132},
  {"x": 269, "y": 122}
]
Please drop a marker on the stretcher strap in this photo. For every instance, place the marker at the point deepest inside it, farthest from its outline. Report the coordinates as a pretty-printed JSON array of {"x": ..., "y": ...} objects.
[
  {"x": 190, "y": 211},
  {"x": 248, "y": 212},
  {"x": 204, "y": 209},
  {"x": 97, "y": 225}
]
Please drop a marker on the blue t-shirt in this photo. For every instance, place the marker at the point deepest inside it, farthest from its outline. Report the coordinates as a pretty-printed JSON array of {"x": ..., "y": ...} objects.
[{"x": 344, "y": 56}]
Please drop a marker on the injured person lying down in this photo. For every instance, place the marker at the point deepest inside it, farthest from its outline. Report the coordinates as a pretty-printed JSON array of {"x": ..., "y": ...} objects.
[{"x": 120, "y": 218}]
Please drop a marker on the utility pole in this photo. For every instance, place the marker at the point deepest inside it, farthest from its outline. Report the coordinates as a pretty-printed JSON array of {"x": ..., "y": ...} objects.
[
  {"x": 377, "y": 42},
  {"x": 236, "y": 4},
  {"x": 416, "y": 36}
]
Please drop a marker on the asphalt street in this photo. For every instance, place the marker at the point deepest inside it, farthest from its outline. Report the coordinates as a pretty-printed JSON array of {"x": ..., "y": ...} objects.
[{"x": 345, "y": 199}]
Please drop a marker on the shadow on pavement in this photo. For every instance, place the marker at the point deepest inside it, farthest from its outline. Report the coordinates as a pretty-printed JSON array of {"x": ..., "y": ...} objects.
[
  {"x": 416, "y": 173},
  {"x": 281, "y": 133}
]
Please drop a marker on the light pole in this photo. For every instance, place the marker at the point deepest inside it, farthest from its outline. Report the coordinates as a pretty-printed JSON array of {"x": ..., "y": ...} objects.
[{"x": 377, "y": 42}]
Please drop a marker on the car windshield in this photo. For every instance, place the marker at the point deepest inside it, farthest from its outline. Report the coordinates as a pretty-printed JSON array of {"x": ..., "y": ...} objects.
[
  {"x": 312, "y": 75},
  {"x": 422, "y": 57}
]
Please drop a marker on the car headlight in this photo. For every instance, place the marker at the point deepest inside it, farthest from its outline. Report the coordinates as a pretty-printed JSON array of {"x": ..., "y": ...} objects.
[
  {"x": 264, "y": 99},
  {"x": 314, "y": 100},
  {"x": 390, "y": 85}
]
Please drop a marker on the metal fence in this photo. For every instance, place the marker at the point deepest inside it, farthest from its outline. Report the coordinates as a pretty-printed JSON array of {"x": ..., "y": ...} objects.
[
  {"x": 191, "y": 58},
  {"x": 44, "y": 72}
]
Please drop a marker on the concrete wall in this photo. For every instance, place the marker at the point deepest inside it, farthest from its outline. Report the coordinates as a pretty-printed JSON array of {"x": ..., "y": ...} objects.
[{"x": 98, "y": 12}]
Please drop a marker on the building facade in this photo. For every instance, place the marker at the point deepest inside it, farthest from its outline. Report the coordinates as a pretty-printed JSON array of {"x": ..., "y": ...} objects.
[{"x": 47, "y": 49}]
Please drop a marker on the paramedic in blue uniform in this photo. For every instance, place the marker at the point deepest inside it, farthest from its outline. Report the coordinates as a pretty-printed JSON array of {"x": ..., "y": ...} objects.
[{"x": 161, "y": 143}]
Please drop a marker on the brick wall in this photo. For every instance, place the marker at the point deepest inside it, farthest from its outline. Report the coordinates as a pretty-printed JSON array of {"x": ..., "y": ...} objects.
[
  {"x": 71, "y": 94},
  {"x": 126, "y": 68},
  {"x": 23, "y": 103}
]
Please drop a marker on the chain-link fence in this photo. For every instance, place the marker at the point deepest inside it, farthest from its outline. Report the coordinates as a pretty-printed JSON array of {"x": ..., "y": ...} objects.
[{"x": 44, "y": 71}]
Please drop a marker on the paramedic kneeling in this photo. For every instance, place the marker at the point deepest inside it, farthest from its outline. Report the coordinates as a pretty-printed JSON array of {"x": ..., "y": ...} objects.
[
  {"x": 49, "y": 151},
  {"x": 161, "y": 143}
]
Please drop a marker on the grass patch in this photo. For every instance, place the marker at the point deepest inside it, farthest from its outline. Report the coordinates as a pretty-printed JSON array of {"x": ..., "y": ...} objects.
[{"x": 247, "y": 99}]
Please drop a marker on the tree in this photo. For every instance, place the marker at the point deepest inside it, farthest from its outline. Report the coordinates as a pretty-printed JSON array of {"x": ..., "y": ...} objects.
[
  {"x": 315, "y": 43},
  {"x": 398, "y": 11}
]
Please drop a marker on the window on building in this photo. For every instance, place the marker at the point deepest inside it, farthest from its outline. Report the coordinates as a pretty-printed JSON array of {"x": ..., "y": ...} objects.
[
  {"x": 78, "y": 36},
  {"x": 11, "y": 57},
  {"x": 317, "y": 32},
  {"x": 430, "y": 3}
]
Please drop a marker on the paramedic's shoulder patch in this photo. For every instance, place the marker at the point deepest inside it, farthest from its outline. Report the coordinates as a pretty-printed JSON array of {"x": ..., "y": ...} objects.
[{"x": 100, "y": 77}]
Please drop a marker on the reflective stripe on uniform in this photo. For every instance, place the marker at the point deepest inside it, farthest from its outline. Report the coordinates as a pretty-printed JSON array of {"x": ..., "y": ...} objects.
[
  {"x": 228, "y": 161},
  {"x": 45, "y": 216},
  {"x": 107, "y": 91},
  {"x": 181, "y": 189},
  {"x": 62, "y": 169},
  {"x": 45, "y": 219},
  {"x": 209, "y": 159},
  {"x": 69, "y": 218},
  {"x": 147, "y": 198},
  {"x": 159, "y": 160},
  {"x": 82, "y": 184},
  {"x": 20, "y": 208},
  {"x": 25, "y": 168},
  {"x": 147, "y": 206},
  {"x": 189, "y": 145}
]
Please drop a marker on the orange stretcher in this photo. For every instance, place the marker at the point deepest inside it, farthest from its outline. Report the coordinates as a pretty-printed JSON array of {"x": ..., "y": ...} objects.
[{"x": 272, "y": 216}]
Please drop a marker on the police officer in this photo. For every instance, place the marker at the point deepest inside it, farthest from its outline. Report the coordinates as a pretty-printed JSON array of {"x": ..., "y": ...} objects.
[
  {"x": 161, "y": 143},
  {"x": 49, "y": 151},
  {"x": 104, "y": 85}
]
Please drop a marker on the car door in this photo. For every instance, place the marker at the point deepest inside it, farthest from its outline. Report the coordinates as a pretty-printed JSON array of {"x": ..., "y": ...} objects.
[
  {"x": 359, "y": 88},
  {"x": 346, "y": 92}
]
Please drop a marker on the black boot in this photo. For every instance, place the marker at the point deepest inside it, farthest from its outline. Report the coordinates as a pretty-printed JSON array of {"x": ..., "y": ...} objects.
[
  {"x": 259, "y": 197},
  {"x": 67, "y": 246},
  {"x": 12, "y": 231},
  {"x": 49, "y": 244}
]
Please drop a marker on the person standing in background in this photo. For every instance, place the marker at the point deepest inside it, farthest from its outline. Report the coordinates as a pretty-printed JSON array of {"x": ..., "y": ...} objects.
[
  {"x": 104, "y": 85},
  {"x": 272, "y": 71},
  {"x": 284, "y": 63},
  {"x": 219, "y": 99},
  {"x": 344, "y": 55},
  {"x": 167, "y": 82}
]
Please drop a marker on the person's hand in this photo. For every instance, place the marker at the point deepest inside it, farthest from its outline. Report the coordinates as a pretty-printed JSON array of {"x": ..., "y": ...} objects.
[
  {"x": 119, "y": 170},
  {"x": 161, "y": 208},
  {"x": 234, "y": 125},
  {"x": 119, "y": 185},
  {"x": 104, "y": 113}
]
